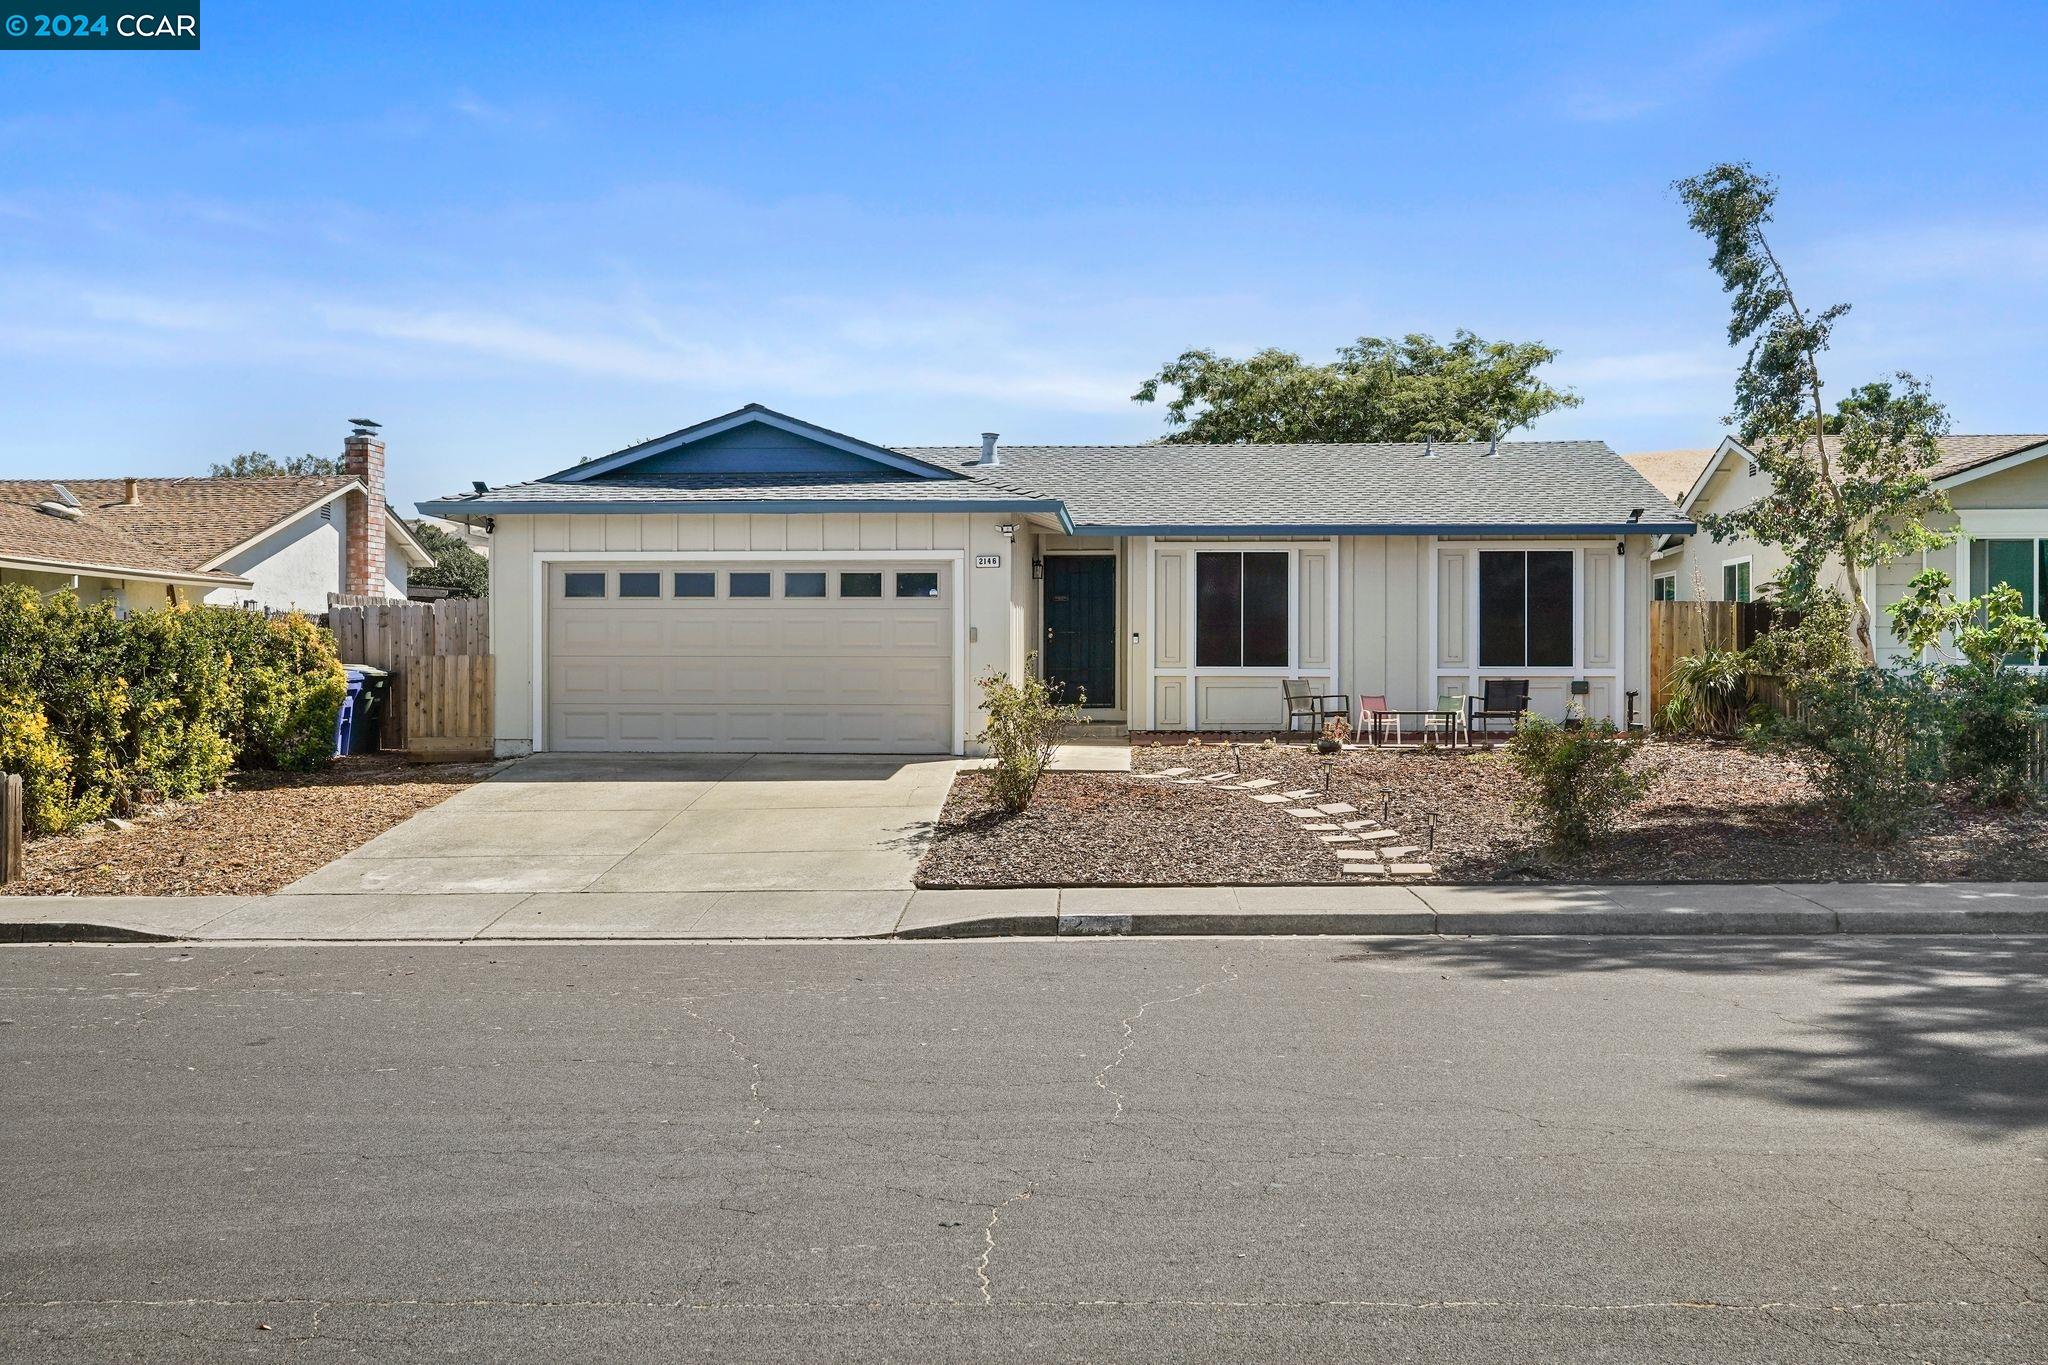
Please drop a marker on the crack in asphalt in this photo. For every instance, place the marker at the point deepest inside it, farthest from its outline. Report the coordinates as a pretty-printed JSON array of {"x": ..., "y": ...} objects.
[
  {"x": 1130, "y": 1031},
  {"x": 988, "y": 1236}
]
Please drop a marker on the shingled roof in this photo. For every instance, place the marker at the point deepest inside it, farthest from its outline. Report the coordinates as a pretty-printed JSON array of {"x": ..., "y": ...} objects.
[
  {"x": 1564, "y": 487},
  {"x": 176, "y": 527}
]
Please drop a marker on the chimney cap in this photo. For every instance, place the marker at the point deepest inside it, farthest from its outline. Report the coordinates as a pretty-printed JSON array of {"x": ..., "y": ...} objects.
[
  {"x": 989, "y": 454},
  {"x": 364, "y": 426}
]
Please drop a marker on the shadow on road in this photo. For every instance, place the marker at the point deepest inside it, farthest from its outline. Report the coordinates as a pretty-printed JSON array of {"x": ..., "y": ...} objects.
[{"x": 1954, "y": 1029}]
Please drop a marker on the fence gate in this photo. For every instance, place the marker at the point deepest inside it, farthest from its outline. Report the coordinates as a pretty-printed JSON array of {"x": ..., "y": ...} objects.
[
  {"x": 394, "y": 635},
  {"x": 448, "y": 705}
]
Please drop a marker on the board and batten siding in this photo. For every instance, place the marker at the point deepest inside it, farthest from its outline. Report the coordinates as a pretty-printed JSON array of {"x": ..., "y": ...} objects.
[
  {"x": 1182, "y": 694},
  {"x": 992, "y": 595}
]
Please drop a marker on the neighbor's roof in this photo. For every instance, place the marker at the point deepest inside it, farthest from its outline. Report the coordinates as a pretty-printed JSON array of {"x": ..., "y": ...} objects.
[
  {"x": 1959, "y": 453},
  {"x": 1672, "y": 471},
  {"x": 179, "y": 527}
]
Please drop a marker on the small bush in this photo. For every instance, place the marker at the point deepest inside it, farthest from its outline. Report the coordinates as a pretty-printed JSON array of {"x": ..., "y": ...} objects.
[
  {"x": 1579, "y": 779},
  {"x": 1873, "y": 745},
  {"x": 1992, "y": 713},
  {"x": 1023, "y": 720},
  {"x": 1708, "y": 692}
]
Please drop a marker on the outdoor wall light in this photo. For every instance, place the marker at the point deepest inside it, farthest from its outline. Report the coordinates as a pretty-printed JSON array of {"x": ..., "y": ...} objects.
[
  {"x": 1038, "y": 569},
  {"x": 1009, "y": 528}
]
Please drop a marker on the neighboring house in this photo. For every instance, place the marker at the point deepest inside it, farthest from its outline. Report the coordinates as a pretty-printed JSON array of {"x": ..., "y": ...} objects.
[
  {"x": 276, "y": 543},
  {"x": 475, "y": 537},
  {"x": 758, "y": 582},
  {"x": 1998, "y": 486}
]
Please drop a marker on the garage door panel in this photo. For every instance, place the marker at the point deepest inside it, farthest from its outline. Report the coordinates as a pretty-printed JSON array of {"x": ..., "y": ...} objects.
[{"x": 832, "y": 675}]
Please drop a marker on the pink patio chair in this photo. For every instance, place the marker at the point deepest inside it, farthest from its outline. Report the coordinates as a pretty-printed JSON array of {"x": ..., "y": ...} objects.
[{"x": 1376, "y": 718}]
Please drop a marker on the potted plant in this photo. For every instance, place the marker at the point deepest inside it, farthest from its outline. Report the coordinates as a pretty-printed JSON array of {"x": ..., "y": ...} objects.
[{"x": 1335, "y": 732}]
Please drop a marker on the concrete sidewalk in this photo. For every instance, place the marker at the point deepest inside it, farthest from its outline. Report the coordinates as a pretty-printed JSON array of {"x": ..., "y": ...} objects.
[{"x": 1450, "y": 911}]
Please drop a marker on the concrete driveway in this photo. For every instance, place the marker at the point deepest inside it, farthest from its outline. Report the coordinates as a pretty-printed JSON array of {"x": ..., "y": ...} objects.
[{"x": 700, "y": 824}]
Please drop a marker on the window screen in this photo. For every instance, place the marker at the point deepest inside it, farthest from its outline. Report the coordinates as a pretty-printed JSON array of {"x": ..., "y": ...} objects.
[
  {"x": 582, "y": 585},
  {"x": 696, "y": 585},
  {"x": 803, "y": 585},
  {"x": 639, "y": 585},
  {"x": 917, "y": 585},
  {"x": 1526, "y": 606},
  {"x": 1664, "y": 587},
  {"x": 860, "y": 585},
  {"x": 747, "y": 584},
  {"x": 1241, "y": 610}
]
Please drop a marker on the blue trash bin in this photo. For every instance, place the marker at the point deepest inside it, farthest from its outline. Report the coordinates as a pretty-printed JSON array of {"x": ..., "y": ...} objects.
[{"x": 344, "y": 724}]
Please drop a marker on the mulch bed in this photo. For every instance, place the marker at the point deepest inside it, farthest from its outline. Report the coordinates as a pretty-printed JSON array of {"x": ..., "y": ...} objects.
[
  {"x": 262, "y": 832},
  {"x": 1716, "y": 812}
]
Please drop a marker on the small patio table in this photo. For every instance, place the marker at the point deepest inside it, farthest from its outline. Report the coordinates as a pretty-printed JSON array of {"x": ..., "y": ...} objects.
[{"x": 1431, "y": 712}]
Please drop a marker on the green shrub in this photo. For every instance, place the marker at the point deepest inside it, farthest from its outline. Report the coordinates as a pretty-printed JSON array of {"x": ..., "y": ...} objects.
[
  {"x": 99, "y": 712},
  {"x": 1708, "y": 692},
  {"x": 1023, "y": 720},
  {"x": 1812, "y": 645},
  {"x": 1992, "y": 714},
  {"x": 1873, "y": 743},
  {"x": 1579, "y": 779}
]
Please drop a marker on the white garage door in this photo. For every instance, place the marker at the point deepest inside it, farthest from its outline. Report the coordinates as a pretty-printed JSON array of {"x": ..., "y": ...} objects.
[{"x": 831, "y": 657}]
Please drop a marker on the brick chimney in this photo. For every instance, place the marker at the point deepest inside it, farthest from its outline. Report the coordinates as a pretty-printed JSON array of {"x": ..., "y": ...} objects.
[{"x": 362, "y": 457}]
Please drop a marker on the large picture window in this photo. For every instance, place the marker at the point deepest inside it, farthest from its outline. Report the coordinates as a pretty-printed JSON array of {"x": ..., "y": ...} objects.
[
  {"x": 1241, "y": 609},
  {"x": 2021, "y": 564},
  {"x": 1526, "y": 601}
]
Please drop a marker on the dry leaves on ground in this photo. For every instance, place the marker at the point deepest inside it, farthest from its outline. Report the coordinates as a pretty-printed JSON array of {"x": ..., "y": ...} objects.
[{"x": 264, "y": 831}]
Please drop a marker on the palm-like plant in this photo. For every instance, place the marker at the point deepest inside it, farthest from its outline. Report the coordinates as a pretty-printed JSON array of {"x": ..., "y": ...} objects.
[{"x": 1708, "y": 691}]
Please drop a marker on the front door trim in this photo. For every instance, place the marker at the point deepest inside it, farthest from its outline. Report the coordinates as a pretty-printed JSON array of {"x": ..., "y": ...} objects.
[{"x": 542, "y": 559}]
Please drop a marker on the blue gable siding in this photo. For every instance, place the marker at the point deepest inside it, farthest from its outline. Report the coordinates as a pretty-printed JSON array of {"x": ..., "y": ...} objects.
[{"x": 755, "y": 448}]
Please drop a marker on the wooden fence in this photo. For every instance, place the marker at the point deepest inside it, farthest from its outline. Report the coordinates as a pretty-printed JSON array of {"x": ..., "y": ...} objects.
[
  {"x": 394, "y": 636},
  {"x": 1679, "y": 630},
  {"x": 448, "y": 705},
  {"x": 13, "y": 813}
]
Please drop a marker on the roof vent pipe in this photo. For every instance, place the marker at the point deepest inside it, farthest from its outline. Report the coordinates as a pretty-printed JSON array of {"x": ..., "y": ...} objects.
[
  {"x": 1429, "y": 447},
  {"x": 989, "y": 454},
  {"x": 131, "y": 492},
  {"x": 1493, "y": 447}
]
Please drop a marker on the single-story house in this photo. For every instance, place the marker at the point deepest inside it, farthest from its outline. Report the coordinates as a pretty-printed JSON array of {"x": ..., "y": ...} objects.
[
  {"x": 1998, "y": 486},
  {"x": 278, "y": 543},
  {"x": 759, "y": 582}
]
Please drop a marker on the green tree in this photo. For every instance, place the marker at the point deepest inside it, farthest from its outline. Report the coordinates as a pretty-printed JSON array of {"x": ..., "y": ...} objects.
[
  {"x": 1850, "y": 488},
  {"x": 255, "y": 464},
  {"x": 456, "y": 567},
  {"x": 1376, "y": 390}
]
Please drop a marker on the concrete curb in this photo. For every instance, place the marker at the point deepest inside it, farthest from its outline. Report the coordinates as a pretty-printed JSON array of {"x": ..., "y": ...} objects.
[{"x": 75, "y": 931}]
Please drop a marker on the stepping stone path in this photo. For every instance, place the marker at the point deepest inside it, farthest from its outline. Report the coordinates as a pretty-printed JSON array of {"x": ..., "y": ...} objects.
[{"x": 1362, "y": 848}]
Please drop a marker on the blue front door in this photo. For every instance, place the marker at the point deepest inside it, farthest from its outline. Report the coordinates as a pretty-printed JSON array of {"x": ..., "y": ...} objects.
[{"x": 1080, "y": 627}]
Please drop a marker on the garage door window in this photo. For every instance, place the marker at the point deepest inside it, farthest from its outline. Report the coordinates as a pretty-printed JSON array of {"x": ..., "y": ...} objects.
[
  {"x": 860, "y": 585},
  {"x": 803, "y": 585},
  {"x": 747, "y": 585},
  {"x": 639, "y": 585},
  {"x": 582, "y": 585},
  {"x": 917, "y": 585},
  {"x": 696, "y": 585}
]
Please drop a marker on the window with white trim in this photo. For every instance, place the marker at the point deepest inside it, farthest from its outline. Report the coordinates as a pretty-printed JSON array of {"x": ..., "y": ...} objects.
[
  {"x": 1241, "y": 616},
  {"x": 2015, "y": 563},
  {"x": 1664, "y": 588},
  {"x": 1735, "y": 581},
  {"x": 1527, "y": 605}
]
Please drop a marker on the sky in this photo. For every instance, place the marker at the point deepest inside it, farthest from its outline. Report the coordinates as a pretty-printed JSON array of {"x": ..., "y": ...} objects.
[{"x": 518, "y": 235}]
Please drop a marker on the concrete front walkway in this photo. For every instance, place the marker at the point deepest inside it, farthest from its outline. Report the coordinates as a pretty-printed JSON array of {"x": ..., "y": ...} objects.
[{"x": 1449, "y": 911}]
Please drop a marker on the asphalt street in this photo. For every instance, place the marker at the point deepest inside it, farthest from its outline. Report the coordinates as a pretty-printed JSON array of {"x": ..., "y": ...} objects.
[{"x": 1210, "y": 1149}]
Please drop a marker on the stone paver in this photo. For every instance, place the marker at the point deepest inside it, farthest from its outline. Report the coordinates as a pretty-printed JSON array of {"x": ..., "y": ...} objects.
[{"x": 1271, "y": 800}]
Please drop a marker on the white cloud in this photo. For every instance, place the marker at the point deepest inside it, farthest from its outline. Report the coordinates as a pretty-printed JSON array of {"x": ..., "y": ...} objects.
[{"x": 1658, "y": 84}]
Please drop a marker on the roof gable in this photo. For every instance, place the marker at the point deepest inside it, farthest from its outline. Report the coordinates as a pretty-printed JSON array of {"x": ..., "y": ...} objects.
[{"x": 752, "y": 440}]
